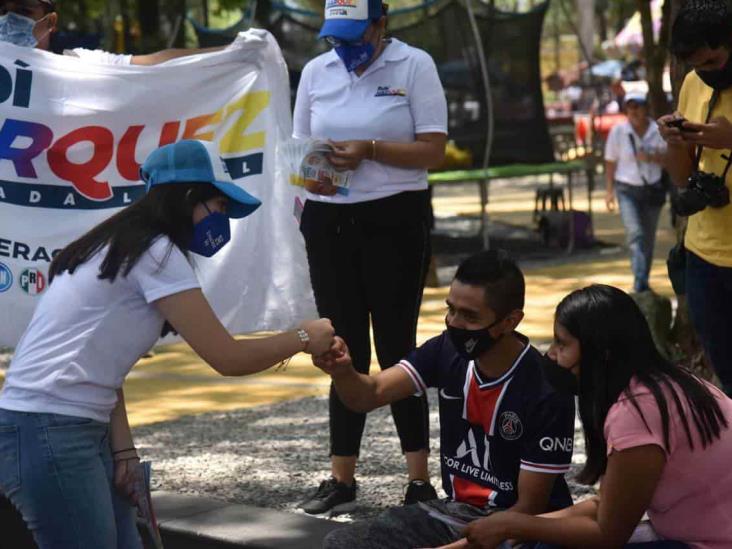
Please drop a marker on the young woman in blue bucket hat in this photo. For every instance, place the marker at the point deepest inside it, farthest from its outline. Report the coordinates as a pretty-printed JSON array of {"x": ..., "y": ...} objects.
[{"x": 66, "y": 452}]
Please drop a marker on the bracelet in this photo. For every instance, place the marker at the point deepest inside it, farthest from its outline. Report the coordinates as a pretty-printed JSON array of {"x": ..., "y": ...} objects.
[
  {"x": 304, "y": 338},
  {"x": 373, "y": 149},
  {"x": 282, "y": 366},
  {"x": 125, "y": 450}
]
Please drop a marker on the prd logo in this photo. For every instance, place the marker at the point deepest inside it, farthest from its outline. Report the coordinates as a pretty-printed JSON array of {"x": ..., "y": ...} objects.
[
  {"x": 32, "y": 281},
  {"x": 6, "y": 277}
]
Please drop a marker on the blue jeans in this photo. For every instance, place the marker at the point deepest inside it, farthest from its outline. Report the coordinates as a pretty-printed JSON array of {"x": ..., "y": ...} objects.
[
  {"x": 58, "y": 472},
  {"x": 709, "y": 296},
  {"x": 641, "y": 221}
]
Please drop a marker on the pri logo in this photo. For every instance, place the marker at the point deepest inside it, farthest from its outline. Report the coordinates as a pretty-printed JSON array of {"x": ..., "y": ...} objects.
[
  {"x": 6, "y": 278},
  {"x": 511, "y": 427},
  {"x": 32, "y": 281}
]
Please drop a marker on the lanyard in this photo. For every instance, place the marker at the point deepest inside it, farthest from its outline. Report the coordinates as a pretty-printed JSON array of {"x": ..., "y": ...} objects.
[
  {"x": 635, "y": 155},
  {"x": 700, "y": 148}
]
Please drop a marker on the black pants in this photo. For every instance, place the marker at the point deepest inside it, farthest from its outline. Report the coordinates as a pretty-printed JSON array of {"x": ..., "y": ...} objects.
[
  {"x": 709, "y": 295},
  {"x": 370, "y": 260}
]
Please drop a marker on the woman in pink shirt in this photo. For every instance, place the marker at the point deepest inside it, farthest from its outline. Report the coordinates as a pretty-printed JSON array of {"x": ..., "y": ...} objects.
[{"x": 655, "y": 434}]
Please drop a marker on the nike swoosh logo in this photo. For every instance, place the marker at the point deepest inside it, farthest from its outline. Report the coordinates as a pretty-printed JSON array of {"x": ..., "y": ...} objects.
[{"x": 444, "y": 395}]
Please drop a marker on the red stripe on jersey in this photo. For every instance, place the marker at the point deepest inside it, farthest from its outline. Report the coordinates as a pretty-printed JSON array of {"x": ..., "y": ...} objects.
[
  {"x": 481, "y": 404},
  {"x": 469, "y": 492}
]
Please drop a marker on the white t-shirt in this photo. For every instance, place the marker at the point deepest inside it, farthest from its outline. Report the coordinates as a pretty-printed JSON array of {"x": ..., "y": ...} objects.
[
  {"x": 87, "y": 333},
  {"x": 398, "y": 96},
  {"x": 100, "y": 56},
  {"x": 618, "y": 149}
]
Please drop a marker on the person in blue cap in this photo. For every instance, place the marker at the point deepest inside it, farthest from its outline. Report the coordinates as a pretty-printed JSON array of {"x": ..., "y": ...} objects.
[
  {"x": 66, "y": 452},
  {"x": 381, "y": 105}
]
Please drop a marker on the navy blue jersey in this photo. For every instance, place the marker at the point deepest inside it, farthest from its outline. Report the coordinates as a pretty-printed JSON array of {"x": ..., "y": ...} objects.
[{"x": 490, "y": 429}]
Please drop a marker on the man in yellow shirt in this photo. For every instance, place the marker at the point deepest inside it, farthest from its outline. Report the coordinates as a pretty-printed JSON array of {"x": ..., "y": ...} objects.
[{"x": 699, "y": 140}]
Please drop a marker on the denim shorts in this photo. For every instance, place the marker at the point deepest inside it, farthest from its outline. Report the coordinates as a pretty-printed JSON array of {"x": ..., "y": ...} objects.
[{"x": 57, "y": 471}]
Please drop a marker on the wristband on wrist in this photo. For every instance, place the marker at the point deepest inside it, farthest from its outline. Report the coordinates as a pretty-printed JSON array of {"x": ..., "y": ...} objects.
[
  {"x": 124, "y": 450},
  {"x": 304, "y": 338}
]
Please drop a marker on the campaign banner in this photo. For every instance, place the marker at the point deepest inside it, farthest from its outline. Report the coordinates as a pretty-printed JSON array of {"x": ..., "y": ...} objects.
[{"x": 73, "y": 135}]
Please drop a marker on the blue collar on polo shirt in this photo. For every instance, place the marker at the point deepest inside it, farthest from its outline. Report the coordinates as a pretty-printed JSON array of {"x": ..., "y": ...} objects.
[{"x": 396, "y": 50}]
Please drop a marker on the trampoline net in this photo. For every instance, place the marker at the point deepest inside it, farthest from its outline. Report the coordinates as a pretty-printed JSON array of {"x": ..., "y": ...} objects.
[{"x": 511, "y": 44}]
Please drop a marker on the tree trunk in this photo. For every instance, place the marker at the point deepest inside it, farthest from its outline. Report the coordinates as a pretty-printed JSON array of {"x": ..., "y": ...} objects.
[
  {"x": 263, "y": 13},
  {"x": 655, "y": 56},
  {"x": 175, "y": 12},
  {"x": 148, "y": 13},
  {"x": 586, "y": 28},
  {"x": 601, "y": 15}
]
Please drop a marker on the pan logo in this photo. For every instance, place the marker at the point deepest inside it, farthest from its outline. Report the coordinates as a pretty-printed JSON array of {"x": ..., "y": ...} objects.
[
  {"x": 6, "y": 277},
  {"x": 32, "y": 281}
]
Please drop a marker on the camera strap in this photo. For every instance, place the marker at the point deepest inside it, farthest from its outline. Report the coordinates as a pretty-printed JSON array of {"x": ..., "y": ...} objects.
[
  {"x": 635, "y": 155},
  {"x": 700, "y": 148}
]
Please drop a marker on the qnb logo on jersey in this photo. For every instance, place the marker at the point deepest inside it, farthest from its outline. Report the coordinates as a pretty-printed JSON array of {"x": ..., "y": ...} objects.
[
  {"x": 32, "y": 281},
  {"x": 510, "y": 425},
  {"x": 6, "y": 278},
  {"x": 552, "y": 444}
]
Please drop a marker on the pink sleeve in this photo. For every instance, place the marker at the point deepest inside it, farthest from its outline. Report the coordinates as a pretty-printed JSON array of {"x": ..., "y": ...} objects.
[{"x": 624, "y": 426}]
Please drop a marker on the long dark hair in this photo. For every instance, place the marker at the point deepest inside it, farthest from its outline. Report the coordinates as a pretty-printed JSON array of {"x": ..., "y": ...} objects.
[
  {"x": 616, "y": 345},
  {"x": 165, "y": 210}
]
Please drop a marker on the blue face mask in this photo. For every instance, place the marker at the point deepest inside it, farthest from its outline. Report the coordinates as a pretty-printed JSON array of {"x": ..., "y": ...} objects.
[
  {"x": 355, "y": 55},
  {"x": 210, "y": 234},
  {"x": 18, "y": 30}
]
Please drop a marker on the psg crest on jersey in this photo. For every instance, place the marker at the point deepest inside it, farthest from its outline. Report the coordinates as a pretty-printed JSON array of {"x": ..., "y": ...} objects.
[{"x": 510, "y": 425}]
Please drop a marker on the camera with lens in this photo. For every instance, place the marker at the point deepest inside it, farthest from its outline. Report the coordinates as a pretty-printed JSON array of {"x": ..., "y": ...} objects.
[{"x": 704, "y": 189}]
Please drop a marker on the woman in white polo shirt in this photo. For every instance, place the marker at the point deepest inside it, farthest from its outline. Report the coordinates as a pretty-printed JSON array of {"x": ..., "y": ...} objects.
[
  {"x": 382, "y": 105},
  {"x": 66, "y": 452},
  {"x": 633, "y": 172}
]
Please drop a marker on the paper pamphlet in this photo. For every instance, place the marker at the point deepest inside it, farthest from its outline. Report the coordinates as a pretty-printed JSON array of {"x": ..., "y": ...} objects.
[
  {"x": 644, "y": 533},
  {"x": 145, "y": 511},
  {"x": 308, "y": 159},
  {"x": 457, "y": 523}
]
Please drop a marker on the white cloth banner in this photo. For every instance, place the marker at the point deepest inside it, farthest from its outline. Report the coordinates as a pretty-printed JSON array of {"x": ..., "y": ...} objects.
[{"x": 73, "y": 136}]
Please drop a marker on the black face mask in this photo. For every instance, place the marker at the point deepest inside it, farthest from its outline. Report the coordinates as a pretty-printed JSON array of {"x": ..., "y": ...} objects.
[
  {"x": 470, "y": 344},
  {"x": 719, "y": 79},
  {"x": 562, "y": 379}
]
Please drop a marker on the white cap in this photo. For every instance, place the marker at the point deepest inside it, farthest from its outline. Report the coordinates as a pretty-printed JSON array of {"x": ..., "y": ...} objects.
[{"x": 636, "y": 96}]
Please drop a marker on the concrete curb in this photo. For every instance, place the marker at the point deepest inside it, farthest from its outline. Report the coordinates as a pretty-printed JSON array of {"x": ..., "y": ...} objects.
[{"x": 198, "y": 522}]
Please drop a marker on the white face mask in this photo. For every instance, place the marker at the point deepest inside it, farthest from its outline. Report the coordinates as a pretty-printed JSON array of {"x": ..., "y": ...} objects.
[{"x": 18, "y": 30}]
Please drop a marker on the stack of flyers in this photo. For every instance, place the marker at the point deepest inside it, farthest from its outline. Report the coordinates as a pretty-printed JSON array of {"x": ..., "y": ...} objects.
[
  {"x": 145, "y": 512},
  {"x": 308, "y": 160},
  {"x": 458, "y": 523}
]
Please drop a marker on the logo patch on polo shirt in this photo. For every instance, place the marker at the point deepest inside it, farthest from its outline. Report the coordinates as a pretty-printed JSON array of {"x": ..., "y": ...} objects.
[{"x": 384, "y": 91}]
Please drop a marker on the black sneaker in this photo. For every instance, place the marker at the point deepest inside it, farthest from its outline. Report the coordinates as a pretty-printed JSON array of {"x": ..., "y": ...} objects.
[
  {"x": 332, "y": 496},
  {"x": 419, "y": 490}
]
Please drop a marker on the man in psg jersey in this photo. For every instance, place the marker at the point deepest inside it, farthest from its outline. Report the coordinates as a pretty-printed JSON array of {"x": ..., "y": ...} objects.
[{"x": 506, "y": 431}]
